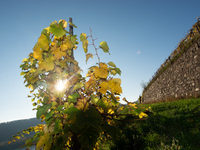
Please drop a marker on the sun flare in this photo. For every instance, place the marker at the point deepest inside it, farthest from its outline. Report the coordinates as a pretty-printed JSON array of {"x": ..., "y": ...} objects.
[{"x": 60, "y": 85}]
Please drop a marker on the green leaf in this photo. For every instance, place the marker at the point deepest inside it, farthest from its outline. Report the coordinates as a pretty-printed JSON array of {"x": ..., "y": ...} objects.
[
  {"x": 60, "y": 107},
  {"x": 54, "y": 104},
  {"x": 104, "y": 46},
  {"x": 73, "y": 97},
  {"x": 94, "y": 99},
  {"x": 57, "y": 127},
  {"x": 118, "y": 70},
  {"x": 88, "y": 137},
  {"x": 44, "y": 31},
  {"x": 72, "y": 24},
  {"x": 73, "y": 39},
  {"x": 90, "y": 117},
  {"x": 71, "y": 111},
  {"x": 42, "y": 110},
  {"x": 59, "y": 43},
  {"x": 58, "y": 31},
  {"x": 49, "y": 115},
  {"x": 111, "y": 130},
  {"x": 78, "y": 86},
  {"x": 111, "y": 64},
  {"x": 46, "y": 99}
]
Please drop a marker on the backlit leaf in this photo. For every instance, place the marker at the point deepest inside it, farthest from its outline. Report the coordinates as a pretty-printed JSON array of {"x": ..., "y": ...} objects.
[
  {"x": 37, "y": 53},
  {"x": 47, "y": 64},
  {"x": 43, "y": 42},
  {"x": 58, "y": 53},
  {"x": 57, "y": 30},
  {"x": 78, "y": 86}
]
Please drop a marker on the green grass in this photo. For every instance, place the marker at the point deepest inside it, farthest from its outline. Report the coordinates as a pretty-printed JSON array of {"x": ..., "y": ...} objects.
[{"x": 170, "y": 126}]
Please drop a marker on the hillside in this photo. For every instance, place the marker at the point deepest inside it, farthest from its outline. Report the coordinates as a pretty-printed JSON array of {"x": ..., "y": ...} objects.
[{"x": 11, "y": 128}]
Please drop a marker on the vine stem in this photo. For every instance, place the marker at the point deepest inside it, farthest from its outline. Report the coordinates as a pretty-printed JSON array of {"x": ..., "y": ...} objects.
[{"x": 94, "y": 45}]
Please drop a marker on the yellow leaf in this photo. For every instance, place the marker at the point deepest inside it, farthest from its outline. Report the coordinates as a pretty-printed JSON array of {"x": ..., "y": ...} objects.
[
  {"x": 114, "y": 85},
  {"x": 133, "y": 105},
  {"x": 85, "y": 45},
  {"x": 40, "y": 143},
  {"x": 91, "y": 82},
  {"x": 96, "y": 71},
  {"x": 121, "y": 108},
  {"x": 101, "y": 72},
  {"x": 25, "y": 59},
  {"x": 62, "y": 63},
  {"x": 42, "y": 65},
  {"x": 67, "y": 44},
  {"x": 47, "y": 29},
  {"x": 58, "y": 70},
  {"x": 110, "y": 111},
  {"x": 58, "y": 54},
  {"x": 117, "y": 80},
  {"x": 47, "y": 65},
  {"x": 22, "y": 73},
  {"x": 103, "y": 66},
  {"x": 104, "y": 87},
  {"x": 75, "y": 47},
  {"x": 9, "y": 142},
  {"x": 88, "y": 56},
  {"x": 64, "y": 23},
  {"x": 43, "y": 42},
  {"x": 142, "y": 114},
  {"x": 113, "y": 72},
  {"x": 82, "y": 104},
  {"x": 37, "y": 53},
  {"x": 30, "y": 87}
]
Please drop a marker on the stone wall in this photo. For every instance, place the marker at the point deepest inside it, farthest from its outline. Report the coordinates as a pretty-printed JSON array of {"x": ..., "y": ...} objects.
[{"x": 180, "y": 80}]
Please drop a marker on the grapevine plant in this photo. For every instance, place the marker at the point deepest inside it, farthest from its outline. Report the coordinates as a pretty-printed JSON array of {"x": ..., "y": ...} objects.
[{"x": 78, "y": 111}]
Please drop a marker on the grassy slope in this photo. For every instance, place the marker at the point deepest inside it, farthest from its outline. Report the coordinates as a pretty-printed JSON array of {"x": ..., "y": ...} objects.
[{"x": 178, "y": 119}]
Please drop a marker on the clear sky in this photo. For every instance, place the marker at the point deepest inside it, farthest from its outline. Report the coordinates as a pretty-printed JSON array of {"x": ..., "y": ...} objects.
[{"x": 141, "y": 34}]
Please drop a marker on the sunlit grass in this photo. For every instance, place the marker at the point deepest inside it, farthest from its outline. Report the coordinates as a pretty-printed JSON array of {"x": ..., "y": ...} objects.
[{"x": 170, "y": 125}]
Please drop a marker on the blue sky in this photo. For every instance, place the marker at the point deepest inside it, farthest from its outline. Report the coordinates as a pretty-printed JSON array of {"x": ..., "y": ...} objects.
[{"x": 141, "y": 34}]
